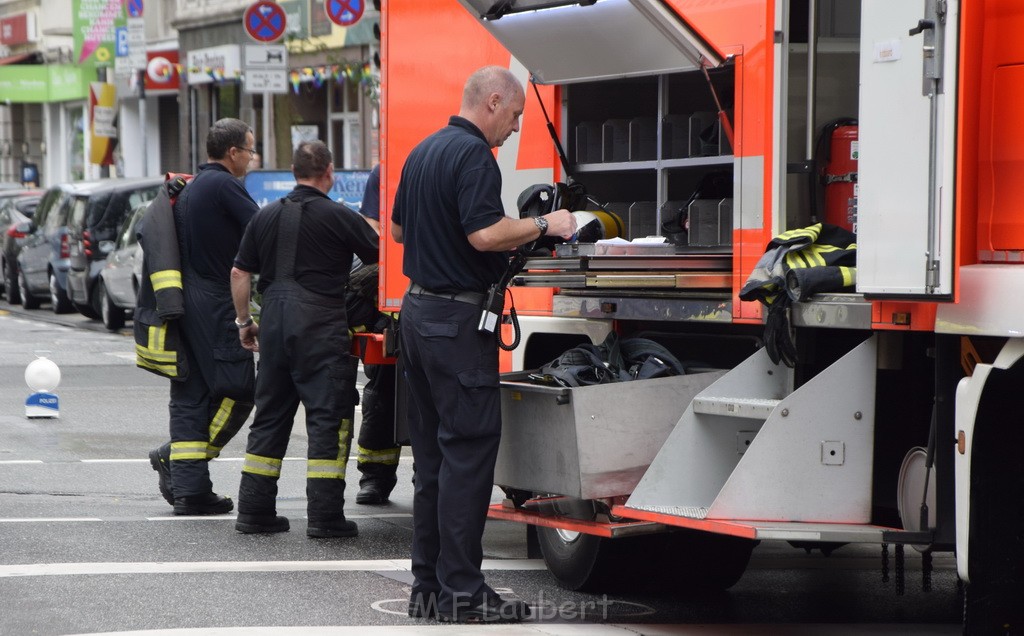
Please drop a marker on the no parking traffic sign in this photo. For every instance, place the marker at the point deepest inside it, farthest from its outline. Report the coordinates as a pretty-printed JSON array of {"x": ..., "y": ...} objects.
[
  {"x": 264, "y": 21},
  {"x": 344, "y": 12}
]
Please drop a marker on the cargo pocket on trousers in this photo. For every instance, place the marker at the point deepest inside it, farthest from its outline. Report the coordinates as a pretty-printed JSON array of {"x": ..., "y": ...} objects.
[
  {"x": 432, "y": 329},
  {"x": 479, "y": 406},
  {"x": 234, "y": 374}
]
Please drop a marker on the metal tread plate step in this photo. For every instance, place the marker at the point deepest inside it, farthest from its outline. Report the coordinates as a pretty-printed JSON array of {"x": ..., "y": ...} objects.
[{"x": 761, "y": 530}]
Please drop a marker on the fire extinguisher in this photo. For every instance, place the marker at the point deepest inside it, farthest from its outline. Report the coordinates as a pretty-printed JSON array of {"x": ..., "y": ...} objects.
[{"x": 836, "y": 164}]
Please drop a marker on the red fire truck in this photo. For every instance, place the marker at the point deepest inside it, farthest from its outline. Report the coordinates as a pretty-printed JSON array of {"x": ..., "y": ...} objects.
[{"x": 896, "y": 424}]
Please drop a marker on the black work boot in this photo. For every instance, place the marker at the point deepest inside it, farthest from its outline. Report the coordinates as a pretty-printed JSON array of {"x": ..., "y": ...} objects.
[
  {"x": 332, "y": 529},
  {"x": 253, "y": 524},
  {"x": 160, "y": 460},
  {"x": 373, "y": 493},
  {"x": 208, "y": 504}
]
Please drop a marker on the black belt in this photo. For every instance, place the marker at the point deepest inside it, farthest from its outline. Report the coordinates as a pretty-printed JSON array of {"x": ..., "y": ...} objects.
[{"x": 471, "y": 298}]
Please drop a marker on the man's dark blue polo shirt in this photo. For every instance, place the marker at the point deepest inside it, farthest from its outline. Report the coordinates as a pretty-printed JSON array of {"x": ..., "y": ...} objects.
[
  {"x": 450, "y": 188},
  {"x": 210, "y": 216}
]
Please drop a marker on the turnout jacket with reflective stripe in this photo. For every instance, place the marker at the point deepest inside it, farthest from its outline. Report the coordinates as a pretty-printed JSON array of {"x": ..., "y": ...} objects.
[
  {"x": 802, "y": 262},
  {"x": 160, "y": 300},
  {"x": 160, "y": 289}
]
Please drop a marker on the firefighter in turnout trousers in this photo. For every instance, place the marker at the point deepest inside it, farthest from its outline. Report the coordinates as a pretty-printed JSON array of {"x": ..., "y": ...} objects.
[
  {"x": 302, "y": 248},
  {"x": 210, "y": 404},
  {"x": 376, "y": 449}
]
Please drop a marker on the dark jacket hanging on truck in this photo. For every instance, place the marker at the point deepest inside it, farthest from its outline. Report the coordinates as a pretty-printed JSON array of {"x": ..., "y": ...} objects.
[{"x": 160, "y": 300}]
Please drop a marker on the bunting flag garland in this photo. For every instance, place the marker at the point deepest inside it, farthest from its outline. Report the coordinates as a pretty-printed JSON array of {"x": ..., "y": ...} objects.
[{"x": 359, "y": 72}]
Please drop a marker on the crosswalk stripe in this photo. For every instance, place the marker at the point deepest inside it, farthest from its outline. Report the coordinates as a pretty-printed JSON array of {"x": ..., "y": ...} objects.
[{"x": 355, "y": 565}]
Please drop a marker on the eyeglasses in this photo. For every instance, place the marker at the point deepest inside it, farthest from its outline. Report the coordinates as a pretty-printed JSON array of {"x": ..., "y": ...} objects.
[{"x": 251, "y": 151}]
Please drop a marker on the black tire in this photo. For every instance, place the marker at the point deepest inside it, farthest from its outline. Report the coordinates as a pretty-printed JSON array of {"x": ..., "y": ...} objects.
[
  {"x": 992, "y": 599},
  {"x": 113, "y": 316},
  {"x": 11, "y": 283},
  {"x": 577, "y": 561},
  {"x": 708, "y": 562},
  {"x": 59, "y": 300},
  {"x": 699, "y": 562},
  {"x": 28, "y": 301}
]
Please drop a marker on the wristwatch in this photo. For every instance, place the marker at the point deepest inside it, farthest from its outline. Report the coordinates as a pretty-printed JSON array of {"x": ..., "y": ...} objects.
[
  {"x": 243, "y": 325},
  {"x": 542, "y": 224}
]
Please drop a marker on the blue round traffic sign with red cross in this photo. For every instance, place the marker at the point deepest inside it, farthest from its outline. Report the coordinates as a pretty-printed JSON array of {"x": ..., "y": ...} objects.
[
  {"x": 264, "y": 21},
  {"x": 344, "y": 12}
]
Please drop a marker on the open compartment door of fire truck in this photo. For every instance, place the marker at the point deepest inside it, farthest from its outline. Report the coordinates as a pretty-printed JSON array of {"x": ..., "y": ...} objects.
[
  {"x": 565, "y": 41},
  {"x": 908, "y": 91}
]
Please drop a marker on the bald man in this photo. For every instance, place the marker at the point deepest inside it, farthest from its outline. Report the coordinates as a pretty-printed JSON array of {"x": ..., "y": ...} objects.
[{"x": 449, "y": 215}]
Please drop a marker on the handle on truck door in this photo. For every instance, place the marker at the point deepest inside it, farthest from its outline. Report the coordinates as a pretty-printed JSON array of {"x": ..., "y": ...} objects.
[{"x": 922, "y": 25}]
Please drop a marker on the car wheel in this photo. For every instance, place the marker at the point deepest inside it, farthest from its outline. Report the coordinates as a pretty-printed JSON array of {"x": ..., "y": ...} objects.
[
  {"x": 11, "y": 283},
  {"x": 113, "y": 316},
  {"x": 28, "y": 301},
  {"x": 59, "y": 297}
]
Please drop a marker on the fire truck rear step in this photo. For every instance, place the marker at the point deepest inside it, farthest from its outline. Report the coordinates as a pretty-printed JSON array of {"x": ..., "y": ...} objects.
[{"x": 773, "y": 454}]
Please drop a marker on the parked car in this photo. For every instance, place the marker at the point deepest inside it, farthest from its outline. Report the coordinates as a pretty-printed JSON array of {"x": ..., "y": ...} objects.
[
  {"x": 43, "y": 261},
  {"x": 46, "y": 256},
  {"x": 92, "y": 230},
  {"x": 15, "y": 220},
  {"x": 119, "y": 279}
]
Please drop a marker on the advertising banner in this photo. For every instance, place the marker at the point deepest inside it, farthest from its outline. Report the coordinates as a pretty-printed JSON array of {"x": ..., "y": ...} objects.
[
  {"x": 265, "y": 186},
  {"x": 102, "y": 123},
  {"x": 93, "y": 28}
]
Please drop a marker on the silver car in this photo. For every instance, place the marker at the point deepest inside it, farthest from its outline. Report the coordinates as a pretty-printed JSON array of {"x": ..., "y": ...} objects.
[{"x": 119, "y": 278}]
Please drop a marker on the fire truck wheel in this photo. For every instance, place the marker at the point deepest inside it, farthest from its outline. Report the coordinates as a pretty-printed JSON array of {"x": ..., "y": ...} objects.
[
  {"x": 711, "y": 562},
  {"x": 577, "y": 561},
  {"x": 992, "y": 598}
]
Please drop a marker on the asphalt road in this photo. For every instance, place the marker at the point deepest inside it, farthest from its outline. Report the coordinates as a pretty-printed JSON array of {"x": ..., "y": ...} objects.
[{"x": 87, "y": 545}]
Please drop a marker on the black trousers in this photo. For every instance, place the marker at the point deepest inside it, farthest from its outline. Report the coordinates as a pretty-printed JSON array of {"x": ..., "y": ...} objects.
[
  {"x": 377, "y": 451},
  {"x": 454, "y": 427},
  {"x": 202, "y": 420},
  {"x": 304, "y": 355}
]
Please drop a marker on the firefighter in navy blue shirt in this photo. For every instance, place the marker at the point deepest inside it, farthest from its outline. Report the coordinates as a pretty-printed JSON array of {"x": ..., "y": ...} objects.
[
  {"x": 302, "y": 248},
  {"x": 449, "y": 215},
  {"x": 210, "y": 405}
]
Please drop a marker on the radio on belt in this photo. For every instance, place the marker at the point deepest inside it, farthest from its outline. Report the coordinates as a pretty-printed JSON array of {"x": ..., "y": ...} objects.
[{"x": 490, "y": 310}]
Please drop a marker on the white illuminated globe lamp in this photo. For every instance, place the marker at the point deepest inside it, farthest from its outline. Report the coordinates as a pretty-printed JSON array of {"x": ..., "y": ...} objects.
[{"x": 42, "y": 375}]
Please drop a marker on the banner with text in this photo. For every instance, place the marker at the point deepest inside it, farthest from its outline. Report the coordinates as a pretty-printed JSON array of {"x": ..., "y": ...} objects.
[
  {"x": 102, "y": 123},
  {"x": 93, "y": 25}
]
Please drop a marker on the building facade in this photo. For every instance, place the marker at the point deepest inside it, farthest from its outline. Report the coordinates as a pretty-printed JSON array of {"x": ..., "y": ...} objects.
[{"x": 192, "y": 74}]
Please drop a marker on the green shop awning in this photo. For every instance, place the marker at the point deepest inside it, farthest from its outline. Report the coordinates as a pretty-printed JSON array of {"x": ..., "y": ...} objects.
[{"x": 42, "y": 83}]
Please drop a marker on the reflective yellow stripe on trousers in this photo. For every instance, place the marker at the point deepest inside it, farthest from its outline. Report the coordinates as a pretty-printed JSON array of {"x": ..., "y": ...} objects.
[{"x": 259, "y": 465}]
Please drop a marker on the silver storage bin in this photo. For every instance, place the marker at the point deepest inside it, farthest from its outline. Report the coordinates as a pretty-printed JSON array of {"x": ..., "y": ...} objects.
[{"x": 587, "y": 442}]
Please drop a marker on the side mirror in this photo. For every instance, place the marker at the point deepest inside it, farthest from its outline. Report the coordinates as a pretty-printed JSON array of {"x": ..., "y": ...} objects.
[{"x": 106, "y": 247}]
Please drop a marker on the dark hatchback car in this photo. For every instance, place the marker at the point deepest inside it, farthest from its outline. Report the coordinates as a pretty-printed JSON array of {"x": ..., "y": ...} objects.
[
  {"x": 92, "y": 231},
  {"x": 45, "y": 258},
  {"x": 15, "y": 219}
]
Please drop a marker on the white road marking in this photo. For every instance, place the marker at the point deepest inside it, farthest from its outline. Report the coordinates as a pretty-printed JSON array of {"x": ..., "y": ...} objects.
[
  {"x": 48, "y": 519},
  {"x": 20, "y": 461},
  {"x": 424, "y": 628},
  {"x": 354, "y": 565}
]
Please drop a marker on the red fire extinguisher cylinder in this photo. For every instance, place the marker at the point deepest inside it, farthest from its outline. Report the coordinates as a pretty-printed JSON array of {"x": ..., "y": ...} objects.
[{"x": 841, "y": 179}]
